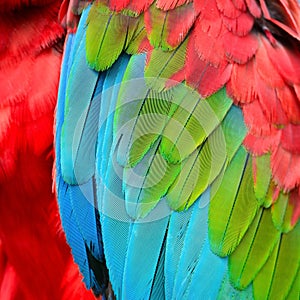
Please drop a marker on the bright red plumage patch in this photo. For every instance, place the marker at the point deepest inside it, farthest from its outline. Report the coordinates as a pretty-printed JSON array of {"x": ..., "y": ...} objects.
[{"x": 35, "y": 261}]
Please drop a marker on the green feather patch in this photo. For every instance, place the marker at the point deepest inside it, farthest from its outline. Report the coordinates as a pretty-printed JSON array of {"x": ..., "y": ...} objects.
[
  {"x": 147, "y": 183},
  {"x": 295, "y": 290},
  {"x": 262, "y": 176},
  {"x": 163, "y": 65},
  {"x": 233, "y": 205},
  {"x": 198, "y": 171},
  {"x": 203, "y": 166},
  {"x": 282, "y": 212},
  {"x": 167, "y": 29},
  {"x": 149, "y": 124},
  {"x": 192, "y": 122},
  {"x": 107, "y": 34},
  {"x": 276, "y": 278},
  {"x": 139, "y": 41},
  {"x": 254, "y": 249},
  {"x": 271, "y": 196}
]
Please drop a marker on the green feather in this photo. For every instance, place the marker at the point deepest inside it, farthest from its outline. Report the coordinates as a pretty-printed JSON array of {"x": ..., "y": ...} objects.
[
  {"x": 149, "y": 124},
  {"x": 282, "y": 213},
  {"x": 269, "y": 198},
  {"x": 198, "y": 171},
  {"x": 263, "y": 176},
  {"x": 160, "y": 24},
  {"x": 143, "y": 192},
  {"x": 276, "y": 278},
  {"x": 158, "y": 30},
  {"x": 163, "y": 65},
  {"x": 107, "y": 34},
  {"x": 295, "y": 290},
  {"x": 234, "y": 130},
  {"x": 254, "y": 249},
  {"x": 233, "y": 205},
  {"x": 139, "y": 36},
  {"x": 132, "y": 95},
  {"x": 192, "y": 122}
]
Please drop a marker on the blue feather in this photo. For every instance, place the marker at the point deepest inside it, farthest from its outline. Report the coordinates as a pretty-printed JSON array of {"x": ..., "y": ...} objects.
[
  {"x": 73, "y": 235},
  {"x": 144, "y": 248},
  {"x": 79, "y": 131},
  {"x": 175, "y": 241},
  {"x": 227, "y": 291},
  {"x": 108, "y": 181},
  {"x": 188, "y": 257},
  {"x": 80, "y": 218}
]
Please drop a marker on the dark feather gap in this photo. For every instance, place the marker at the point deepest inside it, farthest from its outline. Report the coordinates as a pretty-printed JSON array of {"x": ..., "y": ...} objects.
[{"x": 99, "y": 268}]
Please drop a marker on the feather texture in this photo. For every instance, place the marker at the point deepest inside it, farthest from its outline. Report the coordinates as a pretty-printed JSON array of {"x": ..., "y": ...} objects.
[{"x": 196, "y": 156}]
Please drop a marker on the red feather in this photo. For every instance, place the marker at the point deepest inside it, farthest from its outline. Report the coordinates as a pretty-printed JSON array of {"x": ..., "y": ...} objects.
[
  {"x": 253, "y": 8},
  {"x": 290, "y": 103},
  {"x": 241, "y": 25},
  {"x": 259, "y": 145},
  {"x": 295, "y": 202},
  {"x": 241, "y": 85},
  {"x": 265, "y": 67},
  {"x": 35, "y": 261},
  {"x": 201, "y": 74},
  {"x": 286, "y": 61},
  {"x": 208, "y": 47},
  {"x": 228, "y": 9},
  {"x": 210, "y": 18},
  {"x": 270, "y": 104},
  {"x": 290, "y": 138},
  {"x": 285, "y": 168},
  {"x": 239, "y": 49},
  {"x": 171, "y": 4},
  {"x": 240, "y": 4}
]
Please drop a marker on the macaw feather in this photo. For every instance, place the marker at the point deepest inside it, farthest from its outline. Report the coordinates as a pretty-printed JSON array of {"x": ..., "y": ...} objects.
[
  {"x": 158, "y": 285},
  {"x": 80, "y": 127},
  {"x": 294, "y": 291},
  {"x": 254, "y": 250},
  {"x": 233, "y": 200},
  {"x": 139, "y": 42},
  {"x": 188, "y": 252},
  {"x": 75, "y": 239},
  {"x": 261, "y": 175},
  {"x": 232, "y": 293},
  {"x": 76, "y": 236},
  {"x": 152, "y": 240},
  {"x": 162, "y": 66},
  {"x": 167, "y": 29},
  {"x": 111, "y": 87},
  {"x": 149, "y": 125},
  {"x": 113, "y": 216},
  {"x": 133, "y": 92},
  {"x": 175, "y": 242},
  {"x": 148, "y": 182},
  {"x": 282, "y": 212},
  {"x": 280, "y": 271},
  {"x": 84, "y": 210},
  {"x": 105, "y": 36},
  {"x": 192, "y": 122},
  {"x": 203, "y": 166},
  {"x": 201, "y": 74},
  {"x": 196, "y": 159}
]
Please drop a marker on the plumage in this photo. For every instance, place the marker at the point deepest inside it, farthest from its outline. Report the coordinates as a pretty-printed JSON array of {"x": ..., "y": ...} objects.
[
  {"x": 196, "y": 161},
  {"x": 35, "y": 260}
]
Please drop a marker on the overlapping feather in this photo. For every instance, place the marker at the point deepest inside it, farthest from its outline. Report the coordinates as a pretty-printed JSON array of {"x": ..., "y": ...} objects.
[{"x": 171, "y": 138}]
